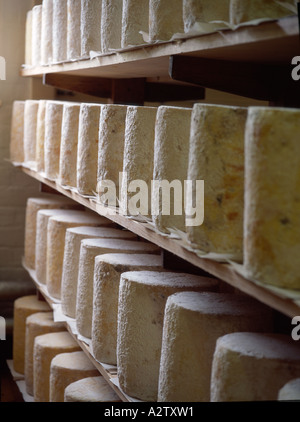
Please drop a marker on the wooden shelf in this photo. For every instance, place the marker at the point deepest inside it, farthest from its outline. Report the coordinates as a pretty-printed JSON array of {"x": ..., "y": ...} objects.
[{"x": 227, "y": 272}]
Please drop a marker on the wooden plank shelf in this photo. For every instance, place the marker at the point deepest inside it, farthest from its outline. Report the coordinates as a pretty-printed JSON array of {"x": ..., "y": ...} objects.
[{"x": 227, "y": 272}]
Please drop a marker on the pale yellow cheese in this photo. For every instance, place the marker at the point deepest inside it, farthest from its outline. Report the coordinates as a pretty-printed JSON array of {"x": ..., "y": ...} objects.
[
  {"x": 46, "y": 36},
  {"x": 142, "y": 299},
  {"x": 40, "y": 136},
  {"x": 59, "y": 31},
  {"x": 111, "y": 25},
  {"x": 90, "y": 26},
  {"x": 23, "y": 307},
  {"x": 290, "y": 391},
  {"x": 17, "y": 132},
  {"x": 28, "y": 39},
  {"x": 36, "y": 35},
  {"x": 74, "y": 35},
  {"x": 30, "y": 122},
  {"x": 135, "y": 18},
  {"x": 91, "y": 389},
  {"x": 197, "y": 12},
  {"x": 165, "y": 19}
]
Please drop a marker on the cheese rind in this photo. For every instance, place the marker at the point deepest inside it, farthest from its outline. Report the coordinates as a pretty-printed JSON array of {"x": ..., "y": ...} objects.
[
  {"x": 135, "y": 18},
  {"x": 30, "y": 122},
  {"x": 290, "y": 391},
  {"x": 192, "y": 324},
  {"x": 40, "y": 136},
  {"x": 204, "y": 11},
  {"x": 90, "y": 26},
  {"x": 36, "y": 35},
  {"x": 91, "y": 389},
  {"x": 59, "y": 31},
  {"x": 142, "y": 299},
  {"x": 253, "y": 366},
  {"x": 28, "y": 39},
  {"x": 163, "y": 24},
  {"x": 111, "y": 25},
  {"x": 73, "y": 28},
  {"x": 46, "y": 36},
  {"x": 107, "y": 271},
  {"x": 17, "y": 132}
]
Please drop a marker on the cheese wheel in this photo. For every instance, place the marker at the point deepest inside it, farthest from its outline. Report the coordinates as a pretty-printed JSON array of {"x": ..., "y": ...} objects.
[
  {"x": 36, "y": 325},
  {"x": 91, "y": 389},
  {"x": 111, "y": 145},
  {"x": 46, "y": 347},
  {"x": 142, "y": 299},
  {"x": 33, "y": 205},
  {"x": 163, "y": 24},
  {"x": 67, "y": 368},
  {"x": 90, "y": 26},
  {"x": 73, "y": 238},
  {"x": 111, "y": 25},
  {"x": 59, "y": 31},
  {"x": 68, "y": 146},
  {"x": 40, "y": 136},
  {"x": 53, "y": 125},
  {"x": 36, "y": 35},
  {"x": 138, "y": 160},
  {"x": 46, "y": 36},
  {"x": 89, "y": 249},
  {"x": 73, "y": 28},
  {"x": 272, "y": 180},
  {"x": 290, "y": 391},
  {"x": 204, "y": 11},
  {"x": 41, "y": 238},
  {"x": 172, "y": 132},
  {"x": 17, "y": 132},
  {"x": 87, "y": 155},
  {"x": 23, "y": 307},
  {"x": 56, "y": 231},
  {"x": 135, "y": 18},
  {"x": 248, "y": 10},
  {"x": 217, "y": 156},
  {"x": 28, "y": 39},
  {"x": 192, "y": 324},
  {"x": 30, "y": 122},
  {"x": 253, "y": 366},
  {"x": 107, "y": 272}
]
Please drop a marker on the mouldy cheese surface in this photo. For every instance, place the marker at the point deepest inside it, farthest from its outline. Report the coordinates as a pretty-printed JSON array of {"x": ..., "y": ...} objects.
[
  {"x": 290, "y": 391},
  {"x": 138, "y": 158},
  {"x": 111, "y": 25},
  {"x": 73, "y": 28},
  {"x": 111, "y": 145},
  {"x": 90, "y": 26},
  {"x": 172, "y": 132},
  {"x": 217, "y": 156},
  {"x": 192, "y": 324},
  {"x": 23, "y": 307},
  {"x": 204, "y": 11},
  {"x": 17, "y": 132},
  {"x": 46, "y": 36},
  {"x": 36, "y": 35},
  {"x": 56, "y": 231},
  {"x": 135, "y": 18},
  {"x": 163, "y": 24},
  {"x": 36, "y": 325},
  {"x": 89, "y": 249},
  {"x": 87, "y": 155},
  {"x": 67, "y": 368},
  {"x": 33, "y": 205},
  {"x": 107, "y": 272},
  {"x": 40, "y": 136},
  {"x": 59, "y": 31},
  {"x": 46, "y": 347},
  {"x": 91, "y": 389},
  {"x": 142, "y": 299},
  {"x": 73, "y": 239},
  {"x": 272, "y": 206},
  {"x": 30, "y": 122},
  {"x": 28, "y": 39},
  {"x": 253, "y": 366}
]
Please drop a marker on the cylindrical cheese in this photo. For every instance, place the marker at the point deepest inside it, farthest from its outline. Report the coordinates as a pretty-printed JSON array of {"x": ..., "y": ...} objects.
[
  {"x": 59, "y": 31},
  {"x": 142, "y": 299},
  {"x": 91, "y": 389},
  {"x": 30, "y": 123},
  {"x": 216, "y": 156},
  {"x": 23, "y": 307},
  {"x": 135, "y": 18},
  {"x": 89, "y": 249},
  {"x": 87, "y": 155},
  {"x": 192, "y": 324},
  {"x": 53, "y": 124},
  {"x": 42, "y": 218},
  {"x": 28, "y": 39},
  {"x": 172, "y": 132},
  {"x": 253, "y": 366},
  {"x": 68, "y": 147},
  {"x": 74, "y": 35},
  {"x": 17, "y": 132},
  {"x": 165, "y": 19},
  {"x": 107, "y": 272},
  {"x": 111, "y": 25},
  {"x": 36, "y": 35},
  {"x": 33, "y": 205},
  {"x": 56, "y": 231},
  {"x": 46, "y": 347},
  {"x": 111, "y": 145},
  {"x": 90, "y": 26},
  {"x": 290, "y": 391},
  {"x": 40, "y": 136},
  {"x": 138, "y": 160},
  {"x": 46, "y": 36},
  {"x": 67, "y": 368},
  {"x": 73, "y": 238},
  {"x": 36, "y": 325},
  {"x": 204, "y": 11},
  {"x": 272, "y": 207}
]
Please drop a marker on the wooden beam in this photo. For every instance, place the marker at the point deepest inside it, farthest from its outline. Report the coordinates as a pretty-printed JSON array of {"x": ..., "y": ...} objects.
[
  {"x": 159, "y": 92},
  {"x": 128, "y": 91}
]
